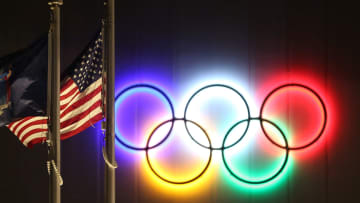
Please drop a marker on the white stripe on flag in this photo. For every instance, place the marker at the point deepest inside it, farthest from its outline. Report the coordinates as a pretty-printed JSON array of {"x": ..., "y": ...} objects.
[
  {"x": 30, "y": 128},
  {"x": 37, "y": 118},
  {"x": 82, "y": 108},
  {"x": 78, "y": 124},
  {"x": 68, "y": 89},
  {"x": 71, "y": 100},
  {"x": 34, "y": 136}
]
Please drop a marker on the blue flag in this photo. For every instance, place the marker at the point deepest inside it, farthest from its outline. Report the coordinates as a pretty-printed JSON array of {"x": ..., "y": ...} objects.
[{"x": 23, "y": 82}]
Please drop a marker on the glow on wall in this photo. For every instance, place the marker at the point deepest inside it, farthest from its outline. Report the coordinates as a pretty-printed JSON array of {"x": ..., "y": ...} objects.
[{"x": 220, "y": 140}]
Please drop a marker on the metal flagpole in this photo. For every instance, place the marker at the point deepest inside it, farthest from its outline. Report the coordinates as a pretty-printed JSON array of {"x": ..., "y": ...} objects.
[
  {"x": 109, "y": 62},
  {"x": 48, "y": 101},
  {"x": 54, "y": 127}
]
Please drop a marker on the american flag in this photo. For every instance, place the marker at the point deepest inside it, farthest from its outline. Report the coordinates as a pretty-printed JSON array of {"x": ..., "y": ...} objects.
[{"x": 80, "y": 99}]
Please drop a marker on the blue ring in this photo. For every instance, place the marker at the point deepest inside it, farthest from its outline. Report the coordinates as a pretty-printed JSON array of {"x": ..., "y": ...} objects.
[{"x": 168, "y": 101}]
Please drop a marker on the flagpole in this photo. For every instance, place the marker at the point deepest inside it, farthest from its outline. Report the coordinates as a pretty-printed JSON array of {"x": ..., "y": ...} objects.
[
  {"x": 54, "y": 128},
  {"x": 109, "y": 62}
]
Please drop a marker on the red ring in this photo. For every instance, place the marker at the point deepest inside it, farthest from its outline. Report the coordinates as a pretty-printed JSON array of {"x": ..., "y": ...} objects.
[{"x": 322, "y": 105}]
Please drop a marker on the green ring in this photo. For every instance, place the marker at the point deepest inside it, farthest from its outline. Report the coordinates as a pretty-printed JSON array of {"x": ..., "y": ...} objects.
[{"x": 270, "y": 178}]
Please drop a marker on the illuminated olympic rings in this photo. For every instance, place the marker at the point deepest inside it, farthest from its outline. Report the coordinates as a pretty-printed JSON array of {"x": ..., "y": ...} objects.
[{"x": 223, "y": 148}]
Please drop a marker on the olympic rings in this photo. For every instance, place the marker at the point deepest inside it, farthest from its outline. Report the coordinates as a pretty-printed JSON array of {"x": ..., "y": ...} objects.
[
  {"x": 322, "y": 106},
  {"x": 266, "y": 179},
  {"x": 227, "y": 87},
  {"x": 167, "y": 99},
  {"x": 167, "y": 180},
  {"x": 261, "y": 119}
]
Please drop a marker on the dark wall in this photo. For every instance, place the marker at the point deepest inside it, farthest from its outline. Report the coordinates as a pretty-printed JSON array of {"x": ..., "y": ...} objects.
[{"x": 179, "y": 39}]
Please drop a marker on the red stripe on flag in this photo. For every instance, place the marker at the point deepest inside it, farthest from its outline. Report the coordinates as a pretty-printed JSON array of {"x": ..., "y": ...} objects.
[
  {"x": 81, "y": 115},
  {"x": 43, "y": 121},
  {"x": 21, "y": 122},
  {"x": 32, "y": 132},
  {"x": 94, "y": 119},
  {"x": 11, "y": 124},
  {"x": 66, "y": 85},
  {"x": 80, "y": 102},
  {"x": 71, "y": 92},
  {"x": 36, "y": 141},
  {"x": 62, "y": 107}
]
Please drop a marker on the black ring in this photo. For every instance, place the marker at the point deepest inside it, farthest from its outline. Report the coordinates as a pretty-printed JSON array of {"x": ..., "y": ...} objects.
[
  {"x": 170, "y": 181},
  {"x": 322, "y": 105},
  {"x": 217, "y": 85},
  {"x": 267, "y": 179},
  {"x": 171, "y": 107}
]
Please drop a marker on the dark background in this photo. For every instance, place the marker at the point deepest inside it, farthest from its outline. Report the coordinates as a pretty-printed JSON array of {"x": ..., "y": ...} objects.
[{"x": 174, "y": 35}]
